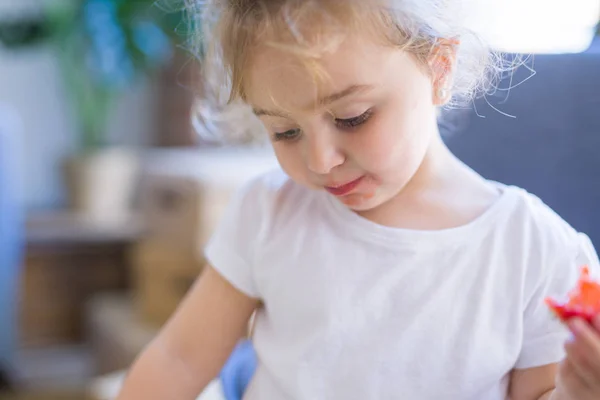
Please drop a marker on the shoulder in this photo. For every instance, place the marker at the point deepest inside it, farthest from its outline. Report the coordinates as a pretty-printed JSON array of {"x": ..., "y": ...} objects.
[
  {"x": 272, "y": 197},
  {"x": 537, "y": 220},
  {"x": 271, "y": 189},
  {"x": 543, "y": 237}
]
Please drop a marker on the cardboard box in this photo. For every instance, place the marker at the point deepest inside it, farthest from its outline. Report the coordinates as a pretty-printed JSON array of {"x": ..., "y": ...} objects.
[{"x": 163, "y": 273}]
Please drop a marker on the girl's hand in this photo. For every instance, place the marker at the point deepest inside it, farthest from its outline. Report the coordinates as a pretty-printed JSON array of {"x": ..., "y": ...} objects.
[{"x": 579, "y": 374}]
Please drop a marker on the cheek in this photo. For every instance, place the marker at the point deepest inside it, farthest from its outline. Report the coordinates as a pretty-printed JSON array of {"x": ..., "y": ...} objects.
[
  {"x": 391, "y": 144},
  {"x": 382, "y": 141},
  {"x": 290, "y": 160}
]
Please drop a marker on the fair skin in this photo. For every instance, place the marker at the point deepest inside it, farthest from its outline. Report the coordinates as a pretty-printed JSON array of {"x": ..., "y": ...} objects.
[
  {"x": 375, "y": 122},
  {"x": 192, "y": 348}
]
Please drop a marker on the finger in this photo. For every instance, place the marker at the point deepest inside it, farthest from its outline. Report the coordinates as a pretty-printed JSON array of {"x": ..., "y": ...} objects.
[
  {"x": 570, "y": 383},
  {"x": 565, "y": 371},
  {"x": 588, "y": 339},
  {"x": 577, "y": 364},
  {"x": 596, "y": 322},
  {"x": 585, "y": 348}
]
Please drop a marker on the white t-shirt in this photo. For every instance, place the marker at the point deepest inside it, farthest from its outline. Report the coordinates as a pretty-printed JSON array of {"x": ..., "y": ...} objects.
[{"x": 356, "y": 310}]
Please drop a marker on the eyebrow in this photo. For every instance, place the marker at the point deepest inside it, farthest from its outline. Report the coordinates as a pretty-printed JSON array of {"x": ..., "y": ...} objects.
[{"x": 323, "y": 101}]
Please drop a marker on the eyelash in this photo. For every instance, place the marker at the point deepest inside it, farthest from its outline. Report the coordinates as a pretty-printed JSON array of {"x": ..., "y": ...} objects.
[
  {"x": 352, "y": 123},
  {"x": 348, "y": 124}
]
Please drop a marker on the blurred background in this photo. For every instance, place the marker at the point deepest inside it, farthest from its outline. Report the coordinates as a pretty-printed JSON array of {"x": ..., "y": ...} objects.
[{"x": 107, "y": 193}]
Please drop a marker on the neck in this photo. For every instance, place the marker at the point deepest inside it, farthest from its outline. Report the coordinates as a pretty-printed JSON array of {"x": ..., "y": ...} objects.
[
  {"x": 438, "y": 166},
  {"x": 443, "y": 193}
]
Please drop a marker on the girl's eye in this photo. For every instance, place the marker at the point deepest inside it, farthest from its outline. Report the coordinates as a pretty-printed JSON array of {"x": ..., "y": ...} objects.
[
  {"x": 354, "y": 122},
  {"x": 289, "y": 135},
  {"x": 349, "y": 123}
]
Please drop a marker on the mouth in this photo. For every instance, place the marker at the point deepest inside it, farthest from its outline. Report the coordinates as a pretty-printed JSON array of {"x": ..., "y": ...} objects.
[{"x": 344, "y": 189}]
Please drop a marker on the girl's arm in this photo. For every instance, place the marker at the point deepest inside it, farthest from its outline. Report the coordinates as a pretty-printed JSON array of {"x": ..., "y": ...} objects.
[
  {"x": 194, "y": 345},
  {"x": 533, "y": 383}
]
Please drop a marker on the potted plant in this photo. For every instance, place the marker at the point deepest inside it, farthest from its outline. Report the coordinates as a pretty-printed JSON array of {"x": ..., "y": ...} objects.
[{"x": 104, "y": 47}]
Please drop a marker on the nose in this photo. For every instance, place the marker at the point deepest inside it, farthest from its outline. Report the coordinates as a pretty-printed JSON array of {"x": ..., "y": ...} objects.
[{"x": 322, "y": 154}]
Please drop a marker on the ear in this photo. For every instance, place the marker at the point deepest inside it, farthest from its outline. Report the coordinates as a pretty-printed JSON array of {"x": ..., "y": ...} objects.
[{"x": 442, "y": 61}]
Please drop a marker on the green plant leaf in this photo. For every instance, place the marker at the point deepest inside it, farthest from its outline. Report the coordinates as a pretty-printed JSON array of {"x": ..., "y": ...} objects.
[{"x": 63, "y": 23}]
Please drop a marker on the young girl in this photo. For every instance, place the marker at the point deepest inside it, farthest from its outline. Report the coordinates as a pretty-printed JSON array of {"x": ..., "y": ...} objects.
[{"x": 380, "y": 266}]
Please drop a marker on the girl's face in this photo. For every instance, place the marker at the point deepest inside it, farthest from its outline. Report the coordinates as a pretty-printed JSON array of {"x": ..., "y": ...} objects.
[{"x": 361, "y": 133}]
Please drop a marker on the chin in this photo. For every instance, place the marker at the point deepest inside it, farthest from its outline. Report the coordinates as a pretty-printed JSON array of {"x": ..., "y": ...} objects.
[{"x": 361, "y": 203}]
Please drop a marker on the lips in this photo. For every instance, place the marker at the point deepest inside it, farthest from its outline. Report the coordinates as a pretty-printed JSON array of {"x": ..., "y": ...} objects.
[{"x": 344, "y": 189}]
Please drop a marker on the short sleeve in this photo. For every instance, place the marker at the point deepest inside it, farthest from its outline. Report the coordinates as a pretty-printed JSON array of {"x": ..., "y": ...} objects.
[
  {"x": 544, "y": 335},
  {"x": 230, "y": 249}
]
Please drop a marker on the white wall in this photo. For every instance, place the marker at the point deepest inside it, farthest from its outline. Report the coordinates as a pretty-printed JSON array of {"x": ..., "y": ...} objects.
[{"x": 30, "y": 83}]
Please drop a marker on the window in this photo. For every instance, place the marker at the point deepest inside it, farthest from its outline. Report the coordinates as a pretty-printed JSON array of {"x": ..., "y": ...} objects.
[{"x": 537, "y": 26}]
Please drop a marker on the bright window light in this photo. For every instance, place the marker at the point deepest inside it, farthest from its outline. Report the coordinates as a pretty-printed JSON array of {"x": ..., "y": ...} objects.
[{"x": 536, "y": 26}]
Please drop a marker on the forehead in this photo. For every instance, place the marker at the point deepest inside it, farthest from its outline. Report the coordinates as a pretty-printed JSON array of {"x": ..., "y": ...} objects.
[{"x": 283, "y": 80}]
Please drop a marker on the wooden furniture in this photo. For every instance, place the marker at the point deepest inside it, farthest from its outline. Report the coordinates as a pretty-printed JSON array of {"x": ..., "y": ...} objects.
[
  {"x": 56, "y": 395},
  {"x": 116, "y": 332},
  {"x": 67, "y": 261}
]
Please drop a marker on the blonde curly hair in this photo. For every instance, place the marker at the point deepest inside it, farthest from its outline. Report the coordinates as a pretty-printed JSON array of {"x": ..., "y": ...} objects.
[{"x": 233, "y": 30}]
